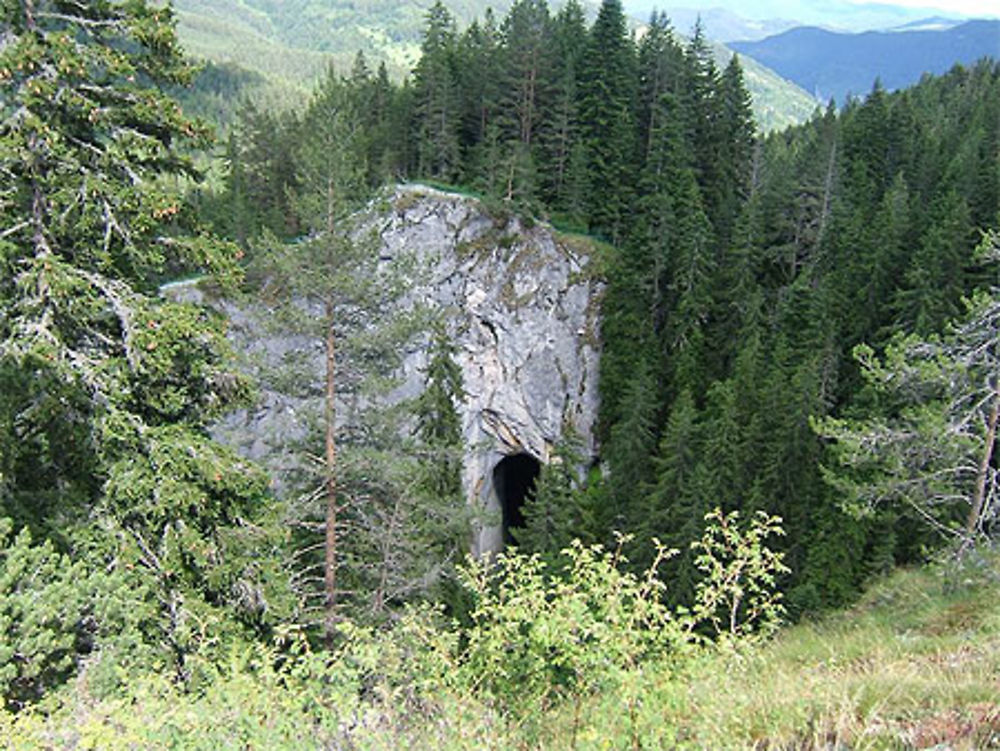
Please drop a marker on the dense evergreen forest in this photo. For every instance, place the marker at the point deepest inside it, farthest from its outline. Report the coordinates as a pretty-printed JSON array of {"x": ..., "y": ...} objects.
[
  {"x": 775, "y": 308},
  {"x": 743, "y": 269}
]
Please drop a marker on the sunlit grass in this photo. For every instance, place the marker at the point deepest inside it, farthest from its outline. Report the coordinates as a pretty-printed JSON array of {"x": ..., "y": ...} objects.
[{"x": 913, "y": 665}]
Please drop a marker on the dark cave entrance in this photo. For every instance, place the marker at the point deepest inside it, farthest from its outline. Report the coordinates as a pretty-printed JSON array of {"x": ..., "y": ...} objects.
[{"x": 514, "y": 482}]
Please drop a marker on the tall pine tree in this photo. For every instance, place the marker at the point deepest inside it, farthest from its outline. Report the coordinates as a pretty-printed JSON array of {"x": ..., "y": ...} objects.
[
  {"x": 437, "y": 109},
  {"x": 607, "y": 106}
]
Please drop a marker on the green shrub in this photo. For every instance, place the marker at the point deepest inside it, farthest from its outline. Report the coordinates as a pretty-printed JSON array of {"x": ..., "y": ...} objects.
[
  {"x": 576, "y": 652},
  {"x": 59, "y": 616},
  {"x": 738, "y": 593},
  {"x": 540, "y": 633},
  {"x": 42, "y": 616}
]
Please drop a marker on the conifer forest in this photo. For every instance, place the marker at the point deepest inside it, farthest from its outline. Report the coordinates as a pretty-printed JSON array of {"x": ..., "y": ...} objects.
[{"x": 795, "y": 444}]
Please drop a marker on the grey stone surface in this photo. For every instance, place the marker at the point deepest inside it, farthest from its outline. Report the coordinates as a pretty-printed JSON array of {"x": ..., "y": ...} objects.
[
  {"x": 519, "y": 304},
  {"x": 523, "y": 311}
]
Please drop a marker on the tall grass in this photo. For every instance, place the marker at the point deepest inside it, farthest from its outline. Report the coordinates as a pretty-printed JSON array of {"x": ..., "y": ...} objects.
[{"x": 915, "y": 664}]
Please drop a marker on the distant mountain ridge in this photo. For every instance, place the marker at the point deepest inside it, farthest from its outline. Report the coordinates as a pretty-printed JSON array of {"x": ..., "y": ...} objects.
[
  {"x": 831, "y": 64},
  {"x": 933, "y": 23},
  {"x": 843, "y": 15},
  {"x": 724, "y": 26},
  {"x": 292, "y": 42}
]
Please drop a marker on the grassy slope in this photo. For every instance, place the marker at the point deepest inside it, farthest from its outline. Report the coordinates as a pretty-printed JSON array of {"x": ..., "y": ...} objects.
[
  {"x": 916, "y": 664},
  {"x": 292, "y": 43}
]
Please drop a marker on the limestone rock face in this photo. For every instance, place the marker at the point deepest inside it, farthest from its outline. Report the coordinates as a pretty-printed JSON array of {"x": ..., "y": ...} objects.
[
  {"x": 522, "y": 308},
  {"x": 523, "y": 311}
]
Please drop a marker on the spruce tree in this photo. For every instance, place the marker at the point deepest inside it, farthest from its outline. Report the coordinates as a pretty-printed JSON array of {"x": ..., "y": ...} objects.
[
  {"x": 867, "y": 139},
  {"x": 479, "y": 77},
  {"x": 736, "y": 134},
  {"x": 437, "y": 104},
  {"x": 660, "y": 65},
  {"x": 238, "y": 222},
  {"x": 372, "y": 95},
  {"x": 526, "y": 74},
  {"x": 738, "y": 293},
  {"x": 554, "y": 515},
  {"x": 108, "y": 388},
  {"x": 674, "y": 507},
  {"x": 562, "y": 142},
  {"x": 268, "y": 168},
  {"x": 525, "y": 82},
  {"x": 414, "y": 523},
  {"x": 607, "y": 106},
  {"x": 438, "y": 420},
  {"x": 703, "y": 105},
  {"x": 878, "y": 271},
  {"x": 935, "y": 279},
  {"x": 631, "y": 441},
  {"x": 684, "y": 333}
]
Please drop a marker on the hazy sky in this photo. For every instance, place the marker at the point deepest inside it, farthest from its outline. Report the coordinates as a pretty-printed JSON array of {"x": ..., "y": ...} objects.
[
  {"x": 811, "y": 10},
  {"x": 967, "y": 7}
]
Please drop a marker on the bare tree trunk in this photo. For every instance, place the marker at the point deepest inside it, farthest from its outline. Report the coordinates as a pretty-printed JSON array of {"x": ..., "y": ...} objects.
[
  {"x": 330, "y": 550},
  {"x": 562, "y": 157},
  {"x": 984, "y": 468},
  {"x": 331, "y": 204}
]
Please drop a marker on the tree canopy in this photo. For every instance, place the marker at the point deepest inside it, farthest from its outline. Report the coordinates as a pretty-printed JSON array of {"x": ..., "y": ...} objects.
[{"x": 108, "y": 388}]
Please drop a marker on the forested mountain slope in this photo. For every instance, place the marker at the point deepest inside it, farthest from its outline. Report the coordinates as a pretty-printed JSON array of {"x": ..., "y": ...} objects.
[
  {"x": 853, "y": 228},
  {"x": 744, "y": 270},
  {"x": 293, "y": 43}
]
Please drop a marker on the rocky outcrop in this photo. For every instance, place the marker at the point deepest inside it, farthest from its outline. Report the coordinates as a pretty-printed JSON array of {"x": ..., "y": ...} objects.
[
  {"x": 523, "y": 308},
  {"x": 520, "y": 303}
]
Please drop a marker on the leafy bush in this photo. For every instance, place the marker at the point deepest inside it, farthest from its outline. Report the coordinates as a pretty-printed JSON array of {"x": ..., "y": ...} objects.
[
  {"x": 539, "y": 633},
  {"x": 543, "y": 642},
  {"x": 738, "y": 595}
]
